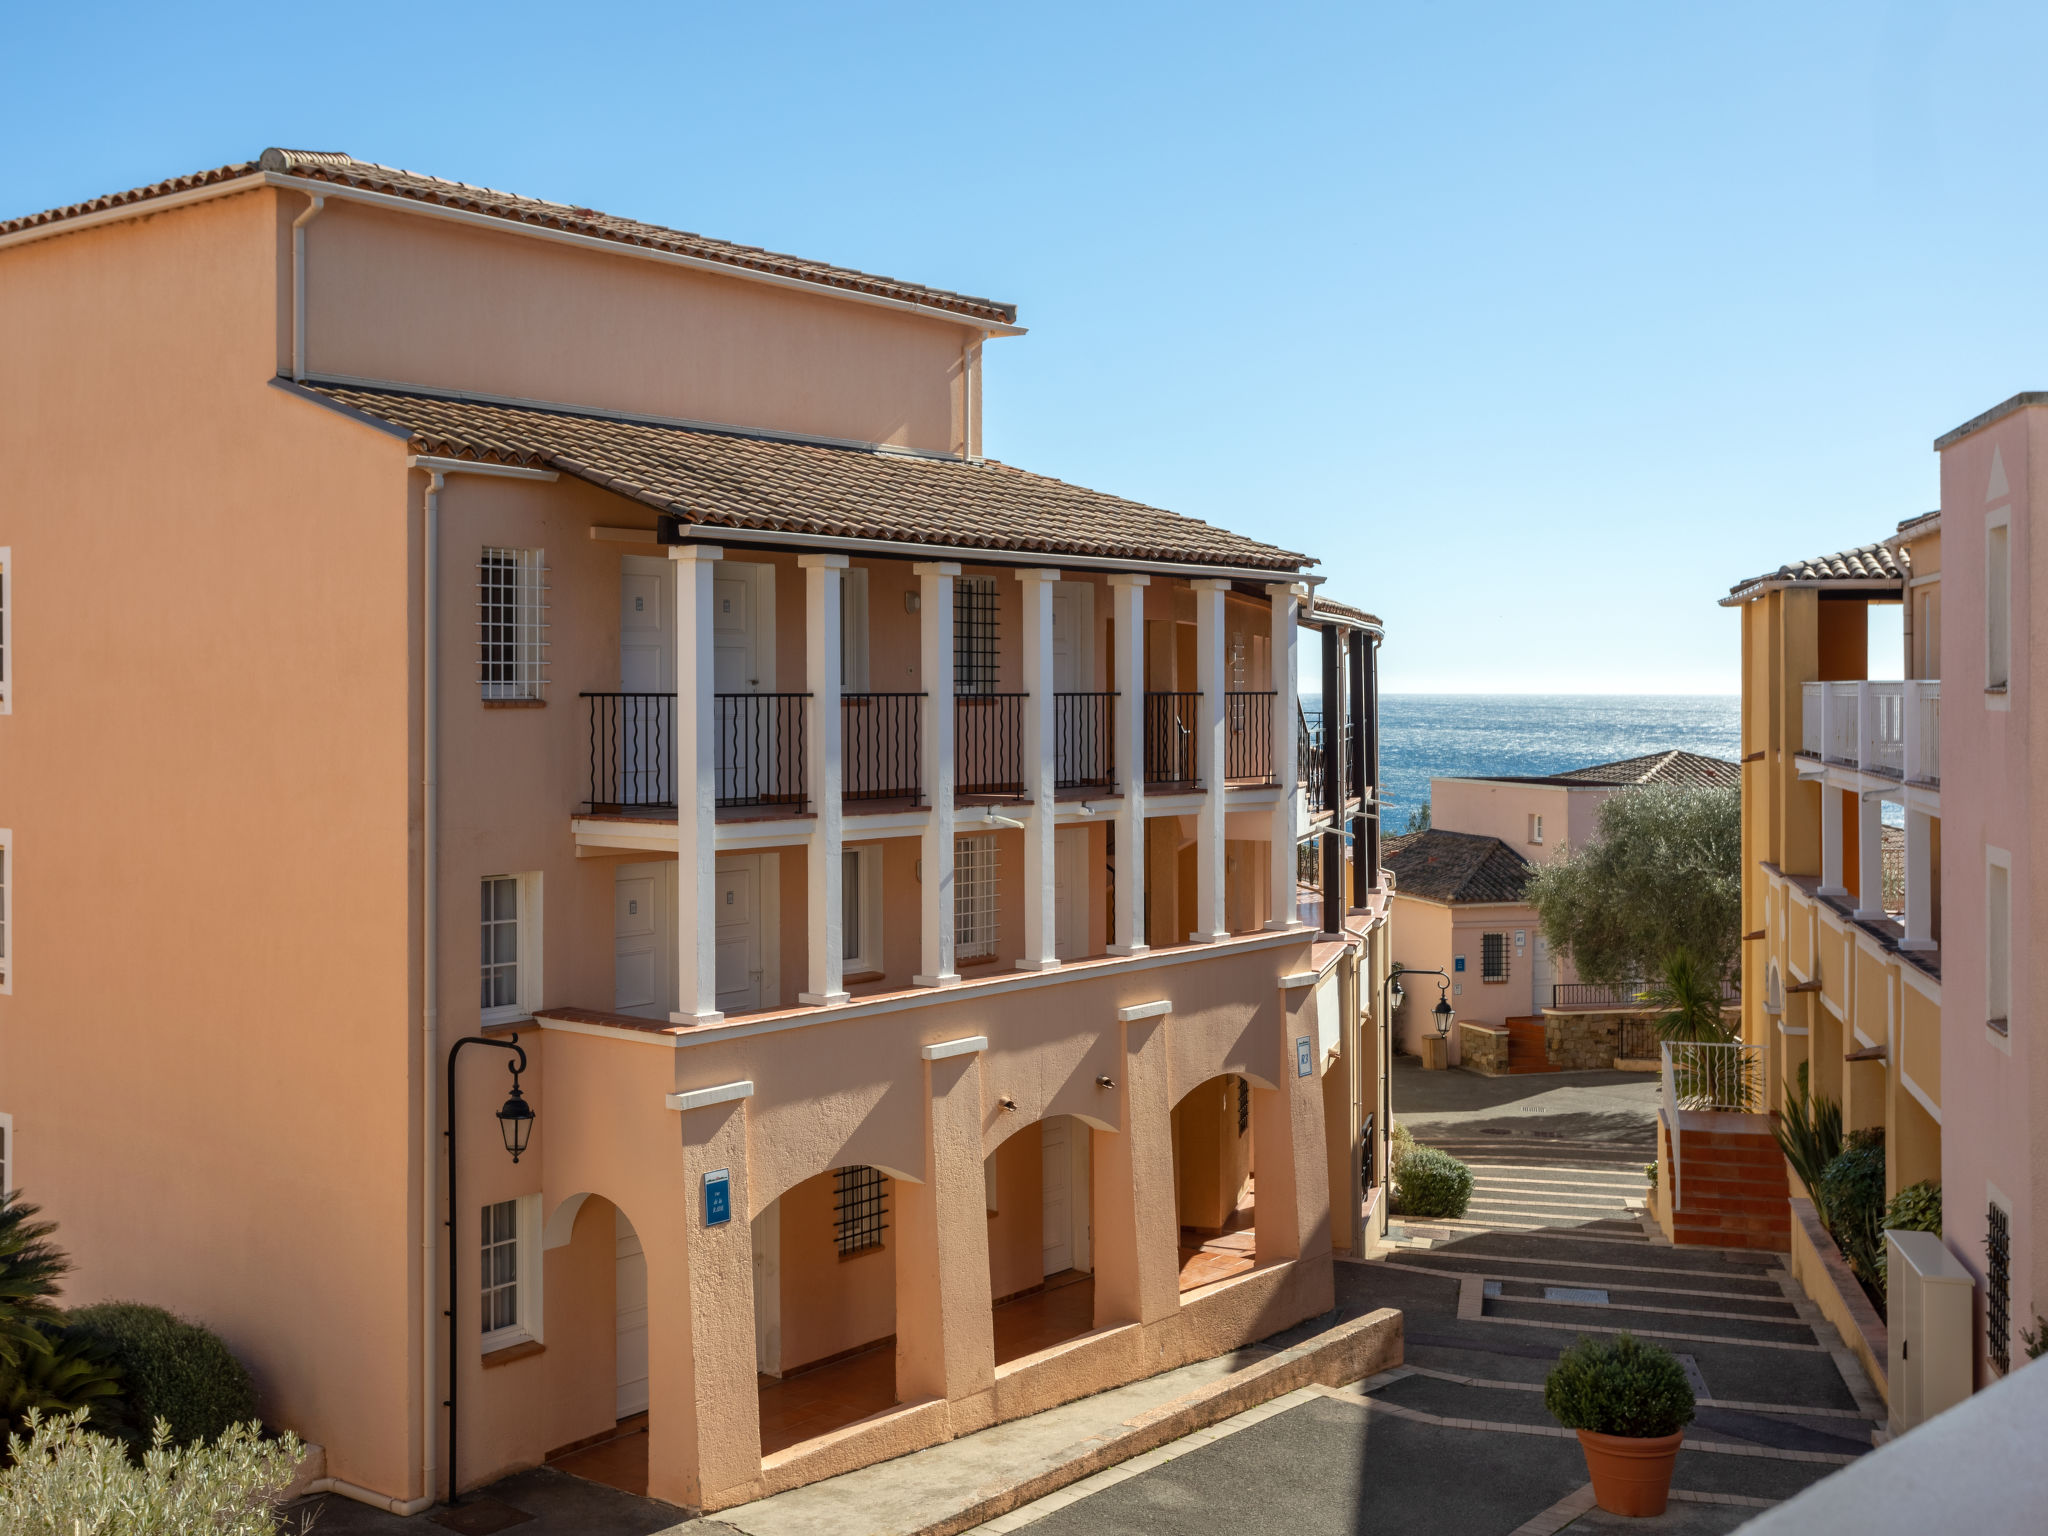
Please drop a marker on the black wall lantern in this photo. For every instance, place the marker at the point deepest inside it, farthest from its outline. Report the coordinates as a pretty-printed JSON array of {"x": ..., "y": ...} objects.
[
  {"x": 1441, "y": 1014},
  {"x": 515, "y": 1123}
]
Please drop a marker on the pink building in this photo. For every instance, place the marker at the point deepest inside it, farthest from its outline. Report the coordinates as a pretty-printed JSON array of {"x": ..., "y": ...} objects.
[{"x": 440, "y": 615}]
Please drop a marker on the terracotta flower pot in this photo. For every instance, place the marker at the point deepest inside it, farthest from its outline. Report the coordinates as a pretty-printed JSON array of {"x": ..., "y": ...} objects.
[{"x": 1631, "y": 1476}]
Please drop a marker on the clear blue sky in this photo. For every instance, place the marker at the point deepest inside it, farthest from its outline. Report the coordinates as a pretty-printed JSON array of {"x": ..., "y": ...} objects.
[{"x": 1539, "y": 324}]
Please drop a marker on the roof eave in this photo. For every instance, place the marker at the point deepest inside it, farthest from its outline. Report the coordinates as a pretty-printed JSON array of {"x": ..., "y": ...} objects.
[{"x": 1737, "y": 596}]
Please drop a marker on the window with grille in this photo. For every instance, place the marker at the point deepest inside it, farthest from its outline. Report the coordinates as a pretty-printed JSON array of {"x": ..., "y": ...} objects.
[
  {"x": 501, "y": 1267},
  {"x": 1998, "y": 1288},
  {"x": 1244, "y": 1105},
  {"x": 859, "y": 1215},
  {"x": 974, "y": 897},
  {"x": 1493, "y": 957},
  {"x": 512, "y": 627},
  {"x": 974, "y": 634}
]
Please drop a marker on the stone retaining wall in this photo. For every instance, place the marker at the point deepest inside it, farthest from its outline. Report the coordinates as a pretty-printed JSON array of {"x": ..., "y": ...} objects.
[
  {"x": 1582, "y": 1041},
  {"x": 1483, "y": 1049}
]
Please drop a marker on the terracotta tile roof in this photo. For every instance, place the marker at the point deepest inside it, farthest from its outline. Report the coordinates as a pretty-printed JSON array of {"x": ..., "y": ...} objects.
[
  {"x": 345, "y": 170},
  {"x": 729, "y": 480},
  {"x": 1866, "y": 563},
  {"x": 1344, "y": 612},
  {"x": 1672, "y": 767},
  {"x": 1455, "y": 867}
]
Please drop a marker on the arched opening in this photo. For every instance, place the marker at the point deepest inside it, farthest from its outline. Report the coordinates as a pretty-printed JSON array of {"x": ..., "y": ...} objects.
[
  {"x": 1040, "y": 1193},
  {"x": 1213, "y": 1181},
  {"x": 825, "y": 1305},
  {"x": 598, "y": 1280}
]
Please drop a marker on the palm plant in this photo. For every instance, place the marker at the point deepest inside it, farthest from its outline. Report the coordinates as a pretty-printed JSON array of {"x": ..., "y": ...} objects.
[
  {"x": 30, "y": 1268},
  {"x": 63, "y": 1371},
  {"x": 1688, "y": 997},
  {"x": 1810, "y": 1136}
]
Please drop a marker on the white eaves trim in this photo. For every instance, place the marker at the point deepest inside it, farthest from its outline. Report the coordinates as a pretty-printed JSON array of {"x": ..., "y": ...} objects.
[
  {"x": 700, "y": 1098},
  {"x": 1296, "y": 979},
  {"x": 1132, "y": 1015},
  {"x": 966, "y": 1046}
]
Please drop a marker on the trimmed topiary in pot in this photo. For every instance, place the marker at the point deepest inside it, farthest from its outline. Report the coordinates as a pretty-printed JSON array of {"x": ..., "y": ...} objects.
[
  {"x": 1619, "y": 1386},
  {"x": 1431, "y": 1183},
  {"x": 171, "y": 1369}
]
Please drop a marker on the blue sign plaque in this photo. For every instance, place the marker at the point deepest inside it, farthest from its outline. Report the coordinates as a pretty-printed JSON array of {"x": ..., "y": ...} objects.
[
  {"x": 1304, "y": 1058},
  {"x": 717, "y": 1197}
]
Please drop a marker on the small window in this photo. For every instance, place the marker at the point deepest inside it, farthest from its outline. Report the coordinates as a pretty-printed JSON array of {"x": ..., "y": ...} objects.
[
  {"x": 6, "y": 911},
  {"x": 860, "y": 909},
  {"x": 9, "y": 1178},
  {"x": 510, "y": 955},
  {"x": 1535, "y": 828},
  {"x": 974, "y": 897},
  {"x": 6, "y": 630},
  {"x": 974, "y": 634},
  {"x": 1493, "y": 957},
  {"x": 858, "y": 1216},
  {"x": 510, "y": 1271},
  {"x": 1998, "y": 943},
  {"x": 512, "y": 628},
  {"x": 1997, "y": 607},
  {"x": 1244, "y": 1105},
  {"x": 1998, "y": 1287}
]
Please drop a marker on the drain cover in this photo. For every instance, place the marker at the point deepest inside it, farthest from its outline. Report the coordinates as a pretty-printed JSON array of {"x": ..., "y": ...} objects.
[
  {"x": 1585, "y": 1295},
  {"x": 1492, "y": 1288}
]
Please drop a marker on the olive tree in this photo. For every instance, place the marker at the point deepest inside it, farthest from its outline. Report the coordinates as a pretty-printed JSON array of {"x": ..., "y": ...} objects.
[{"x": 1662, "y": 874}]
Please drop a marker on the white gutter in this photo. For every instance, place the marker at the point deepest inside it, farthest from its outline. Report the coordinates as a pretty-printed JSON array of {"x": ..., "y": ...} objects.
[
  {"x": 367, "y": 1496},
  {"x": 299, "y": 285}
]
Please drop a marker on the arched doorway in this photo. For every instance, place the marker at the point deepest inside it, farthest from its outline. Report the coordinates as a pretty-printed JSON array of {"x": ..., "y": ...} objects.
[
  {"x": 1039, "y": 1187},
  {"x": 1214, "y": 1181}
]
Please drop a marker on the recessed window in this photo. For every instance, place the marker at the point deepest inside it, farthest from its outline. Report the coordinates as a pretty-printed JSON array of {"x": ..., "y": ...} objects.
[
  {"x": 512, "y": 627},
  {"x": 1535, "y": 828},
  {"x": 859, "y": 1214},
  {"x": 974, "y": 634},
  {"x": 860, "y": 909},
  {"x": 1998, "y": 942},
  {"x": 510, "y": 1271},
  {"x": 1493, "y": 957},
  {"x": 974, "y": 897},
  {"x": 510, "y": 952},
  {"x": 1998, "y": 1287},
  {"x": 1997, "y": 607}
]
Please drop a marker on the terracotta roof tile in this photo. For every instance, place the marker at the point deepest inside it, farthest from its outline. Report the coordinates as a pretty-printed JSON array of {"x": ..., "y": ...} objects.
[
  {"x": 1455, "y": 867},
  {"x": 1866, "y": 562},
  {"x": 346, "y": 170},
  {"x": 1672, "y": 767},
  {"x": 1344, "y": 612},
  {"x": 729, "y": 480}
]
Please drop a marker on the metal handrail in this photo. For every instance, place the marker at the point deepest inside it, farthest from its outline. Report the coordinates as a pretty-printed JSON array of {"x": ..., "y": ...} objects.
[
  {"x": 1084, "y": 740},
  {"x": 988, "y": 743},
  {"x": 1170, "y": 720},
  {"x": 1248, "y": 737},
  {"x": 881, "y": 737}
]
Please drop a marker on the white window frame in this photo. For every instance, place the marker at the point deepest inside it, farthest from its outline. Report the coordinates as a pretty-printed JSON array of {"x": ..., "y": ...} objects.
[
  {"x": 1998, "y": 945},
  {"x": 863, "y": 924},
  {"x": 1998, "y": 614},
  {"x": 10, "y": 1156},
  {"x": 514, "y": 668},
  {"x": 853, "y": 630},
  {"x": 7, "y": 904},
  {"x": 528, "y": 960},
  {"x": 1536, "y": 827},
  {"x": 6, "y": 630},
  {"x": 527, "y": 1271},
  {"x": 977, "y": 924}
]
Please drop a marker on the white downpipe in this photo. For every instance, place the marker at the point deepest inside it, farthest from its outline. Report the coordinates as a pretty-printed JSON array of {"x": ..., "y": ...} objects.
[
  {"x": 430, "y": 1013},
  {"x": 368, "y": 1496},
  {"x": 299, "y": 288}
]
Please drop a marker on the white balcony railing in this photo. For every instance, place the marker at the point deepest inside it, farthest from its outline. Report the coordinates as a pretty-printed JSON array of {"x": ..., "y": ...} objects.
[
  {"x": 1923, "y": 699},
  {"x": 1892, "y": 728},
  {"x": 1810, "y": 696},
  {"x": 1842, "y": 726},
  {"x": 1883, "y": 734}
]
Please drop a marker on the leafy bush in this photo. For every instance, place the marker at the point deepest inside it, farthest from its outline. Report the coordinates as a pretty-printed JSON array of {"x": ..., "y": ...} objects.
[
  {"x": 1851, "y": 1196},
  {"x": 63, "y": 1371},
  {"x": 2036, "y": 1338},
  {"x": 173, "y": 1370},
  {"x": 1916, "y": 1208},
  {"x": 1431, "y": 1183},
  {"x": 1401, "y": 1141},
  {"x": 1810, "y": 1137},
  {"x": 1619, "y": 1386},
  {"x": 67, "y": 1482},
  {"x": 1650, "y": 1172}
]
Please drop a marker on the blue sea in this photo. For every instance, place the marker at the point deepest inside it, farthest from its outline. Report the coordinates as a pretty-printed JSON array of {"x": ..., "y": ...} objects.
[{"x": 1429, "y": 735}]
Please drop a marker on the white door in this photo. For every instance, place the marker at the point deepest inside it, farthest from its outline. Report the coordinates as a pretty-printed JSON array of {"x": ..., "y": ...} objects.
[
  {"x": 630, "y": 1303},
  {"x": 1539, "y": 977},
  {"x": 1070, "y": 893},
  {"x": 1057, "y": 1155},
  {"x": 642, "y": 728},
  {"x": 644, "y": 939},
  {"x": 767, "y": 1231},
  {"x": 732, "y": 633},
  {"x": 740, "y": 968}
]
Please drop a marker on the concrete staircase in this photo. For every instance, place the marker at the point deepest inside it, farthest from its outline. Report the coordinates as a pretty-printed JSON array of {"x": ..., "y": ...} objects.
[
  {"x": 1732, "y": 1191},
  {"x": 1527, "y": 1051}
]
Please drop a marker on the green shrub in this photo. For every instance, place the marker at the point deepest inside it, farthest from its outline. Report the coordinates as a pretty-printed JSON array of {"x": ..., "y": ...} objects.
[
  {"x": 1400, "y": 1142},
  {"x": 1851, "y": 1197},
  {"x": 62, "y": 1371},
  {"x": 67, "y": 1482},
  {"x": 1431, "y": 1183},
  {"x": 1650, "y": 1172},
  {"x": 172, "y": 1370},
  {"x": 1916, "y": 1208},
  {"x": 1619, "y": 1386}
]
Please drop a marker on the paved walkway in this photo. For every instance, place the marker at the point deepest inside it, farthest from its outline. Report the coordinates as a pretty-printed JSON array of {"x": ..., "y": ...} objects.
[{"x": 1457, "y": 1440}]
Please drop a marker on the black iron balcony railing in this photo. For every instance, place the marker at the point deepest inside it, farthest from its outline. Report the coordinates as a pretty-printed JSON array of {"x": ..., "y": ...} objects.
[
  {"x": 988, "y": 743},
  {"x": 1248, "y": 738},
  {"x": 761, "y": 740},
  {"x": 881, "y": 741},
  {"x": 632, "y": 751},
  {"x": 1311, "y": 762},
  {"x": 1170, "y": 720},
  {"x": 1629, "y": 994},
  {"x": 1084, "y": 740}
]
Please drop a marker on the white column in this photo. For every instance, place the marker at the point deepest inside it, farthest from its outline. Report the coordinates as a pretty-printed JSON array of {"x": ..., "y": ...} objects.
[
  {"x": 823, "y": 766},
  {"x": 1210, "y": 763},
  {"x": 1041, "y": 772},
  {"x": 1869, "y": 857},
  {"x": 1831, "y": 839},
  {"x": 696, "y": 788},
  {"x": 1127, "y": 728},
  {"x": 1919, "y": 880},
  {"x": 1287, "y": 809},
  {"x": 935, "y": 670}
]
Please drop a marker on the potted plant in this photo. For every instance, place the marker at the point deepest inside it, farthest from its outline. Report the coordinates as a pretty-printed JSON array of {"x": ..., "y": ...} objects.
[{"x": 1630, "y": 1403}]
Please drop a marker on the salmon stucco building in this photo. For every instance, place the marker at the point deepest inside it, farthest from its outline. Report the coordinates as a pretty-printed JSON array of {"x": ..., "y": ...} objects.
[{"x": 942, "y": 952}]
